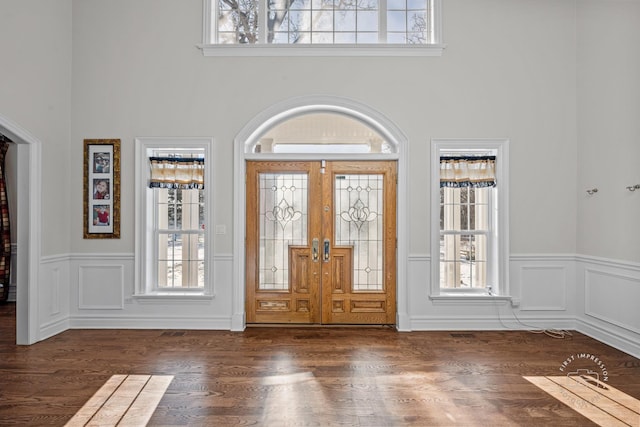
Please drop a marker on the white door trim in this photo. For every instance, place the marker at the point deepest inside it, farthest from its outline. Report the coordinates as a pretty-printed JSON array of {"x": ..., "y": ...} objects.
[
  {"x": 28, "y": 235},
  {"x": 249, "y": 136}
]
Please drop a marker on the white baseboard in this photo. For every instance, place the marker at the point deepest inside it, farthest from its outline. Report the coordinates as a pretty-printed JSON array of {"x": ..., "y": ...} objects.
[
  {"x": 490, "y": 323},
  {"x": 238, "y": 322},
  {"x": 611, "y": 337},
  {"x": 150, "y": 322},
  {"x": 51, "y": 329}
]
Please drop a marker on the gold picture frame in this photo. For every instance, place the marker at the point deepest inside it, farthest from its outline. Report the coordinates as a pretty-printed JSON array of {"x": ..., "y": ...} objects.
[{"x": 101, "y": 203}]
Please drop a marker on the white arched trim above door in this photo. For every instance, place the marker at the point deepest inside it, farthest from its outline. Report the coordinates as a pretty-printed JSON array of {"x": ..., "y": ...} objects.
[
  {"x": 250, "y": 135},
  {"x": 28, "y": 235},
  {"x": 279, "y": 113}
]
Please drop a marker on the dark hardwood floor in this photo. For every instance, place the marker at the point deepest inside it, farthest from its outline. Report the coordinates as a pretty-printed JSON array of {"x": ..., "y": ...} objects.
[{"x": 305, "y": 376}]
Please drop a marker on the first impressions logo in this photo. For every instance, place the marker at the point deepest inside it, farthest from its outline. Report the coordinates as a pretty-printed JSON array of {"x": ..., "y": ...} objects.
[
  {"x": 595, "y": 360},
  {"x": 584, "y": 368}
]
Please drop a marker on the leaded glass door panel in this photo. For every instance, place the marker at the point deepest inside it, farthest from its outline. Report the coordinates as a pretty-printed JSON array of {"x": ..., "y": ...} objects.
[
  {"x": 321, "y": 242},
  {"x": 359, "y": 216}
]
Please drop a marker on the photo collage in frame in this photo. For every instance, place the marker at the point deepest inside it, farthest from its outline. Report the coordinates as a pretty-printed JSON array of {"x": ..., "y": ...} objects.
[{"x": 101, "y": 213}]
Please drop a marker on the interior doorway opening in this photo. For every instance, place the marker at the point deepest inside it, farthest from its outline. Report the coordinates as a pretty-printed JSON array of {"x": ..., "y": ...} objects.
[
  {"x": 27, "y": 229},
  {"x": 9, "y": 161}
]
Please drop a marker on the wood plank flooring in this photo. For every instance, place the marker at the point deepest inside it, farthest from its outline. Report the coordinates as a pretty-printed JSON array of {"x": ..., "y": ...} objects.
[
  {"x": 124, "y": 400},
  {"x": 308, "y": 376},
  {"x": 603, "y": 404}
]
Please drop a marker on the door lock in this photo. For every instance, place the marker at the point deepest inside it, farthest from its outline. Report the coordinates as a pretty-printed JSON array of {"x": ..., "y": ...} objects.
[{"x": 327, "y": 245}]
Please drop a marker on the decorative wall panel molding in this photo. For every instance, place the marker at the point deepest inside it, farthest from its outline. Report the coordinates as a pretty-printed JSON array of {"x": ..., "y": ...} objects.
[
  {"x": 543, "y": 287},
  {"x": 101, "y": 287},
  {"x": 540, "y": 283},
  {"x": 54, "y": 300},
  {"x": 53, "y": 296},
  {"x": 612, "y": 297}
]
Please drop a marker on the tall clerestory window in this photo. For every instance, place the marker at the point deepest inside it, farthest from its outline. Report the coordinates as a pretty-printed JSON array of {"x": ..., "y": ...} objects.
[{"x": 322, "y": 22}]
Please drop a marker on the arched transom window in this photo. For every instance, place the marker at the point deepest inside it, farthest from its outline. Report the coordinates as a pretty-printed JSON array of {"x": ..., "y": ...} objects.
[{"x": 322, "y": 133}]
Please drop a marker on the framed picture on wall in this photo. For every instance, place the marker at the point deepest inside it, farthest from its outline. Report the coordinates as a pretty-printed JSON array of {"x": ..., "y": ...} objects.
[{"x": 101, "y": 189}]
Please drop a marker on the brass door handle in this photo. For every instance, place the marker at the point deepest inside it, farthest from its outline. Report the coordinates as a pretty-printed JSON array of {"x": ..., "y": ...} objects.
[
  {"x": 327, "y": 246},
  {"x": 314, "y": 249}
]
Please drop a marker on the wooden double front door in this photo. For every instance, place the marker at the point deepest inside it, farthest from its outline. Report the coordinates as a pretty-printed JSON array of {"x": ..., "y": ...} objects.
[{"x": 321, "y": 242}]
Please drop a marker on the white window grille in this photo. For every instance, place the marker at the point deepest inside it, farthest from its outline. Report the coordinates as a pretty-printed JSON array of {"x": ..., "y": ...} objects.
[{"x": 306, "y": 23}]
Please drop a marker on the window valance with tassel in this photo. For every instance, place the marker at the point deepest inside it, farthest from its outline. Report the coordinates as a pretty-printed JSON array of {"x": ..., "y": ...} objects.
[
  {"x": 177, "y": 173},
  {"x": 471, "y": 171}
]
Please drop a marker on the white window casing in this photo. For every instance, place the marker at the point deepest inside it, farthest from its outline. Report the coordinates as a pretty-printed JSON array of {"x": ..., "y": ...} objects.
[
  {"x": 497, "y": 233},
  {"x": 432, "y": 46},
  {"x": 150, "y": 229}
]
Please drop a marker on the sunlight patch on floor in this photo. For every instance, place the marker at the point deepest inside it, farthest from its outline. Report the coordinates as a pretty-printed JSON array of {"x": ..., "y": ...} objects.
[
  {"x": 124, "y": 400},
  {"x": 598, "y": 401}
]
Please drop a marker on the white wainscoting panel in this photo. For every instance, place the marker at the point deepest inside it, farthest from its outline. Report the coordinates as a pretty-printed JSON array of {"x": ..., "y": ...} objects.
[
  {"x": 608, "y": 292},
  {"x": 101, "y": 287},
  {"x": 543, "y": 287},
  {"x": 613, "y": 298},
  {"x": 53, "y": 295},
  {"x": 538, "y": 297},
  {"x": 419, "y": 278},
  {"x": 598, "y": 297},
  {"x": 103, "y": 297},
  {"x": 54, "y": 301}
]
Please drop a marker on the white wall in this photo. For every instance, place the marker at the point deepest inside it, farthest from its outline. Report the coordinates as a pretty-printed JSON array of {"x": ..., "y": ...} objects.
[
  {"x": 35, "y": 93},
  {"x": 502, "y": 75},
  {"x": 609, "y": 128},
  {"x": 608, "y": 106},
  {"x": 511, "y": 70},
  {"x": 137, "y": 73}
]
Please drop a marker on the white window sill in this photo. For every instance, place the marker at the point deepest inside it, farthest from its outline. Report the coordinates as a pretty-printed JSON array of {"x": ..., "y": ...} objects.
[
  {"x": 173, "y": 297},
  {"x": 471, "y": 298},
  {"x": 321, "y": 50}
]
